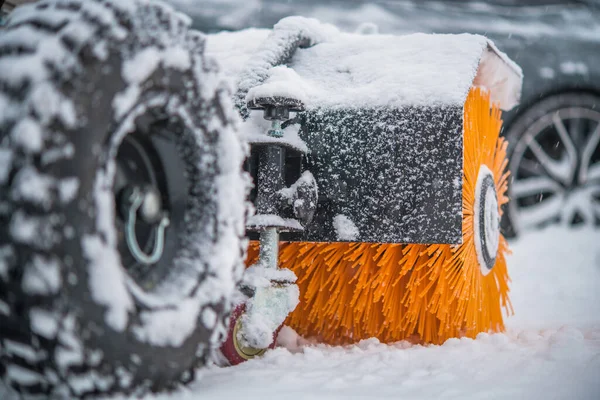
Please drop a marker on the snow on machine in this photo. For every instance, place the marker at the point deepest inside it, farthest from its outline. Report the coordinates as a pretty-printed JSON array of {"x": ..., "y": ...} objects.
[{"x": 125, "y": 211}]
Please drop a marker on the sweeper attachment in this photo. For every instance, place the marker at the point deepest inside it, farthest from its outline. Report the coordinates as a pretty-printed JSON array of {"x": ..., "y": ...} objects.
[
  {"x": 396, "y": 173},
  {"x": 379, "y": 178}
]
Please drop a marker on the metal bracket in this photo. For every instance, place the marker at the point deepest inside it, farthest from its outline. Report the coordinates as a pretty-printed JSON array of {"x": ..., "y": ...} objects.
[{"x": 136, "y": 200}]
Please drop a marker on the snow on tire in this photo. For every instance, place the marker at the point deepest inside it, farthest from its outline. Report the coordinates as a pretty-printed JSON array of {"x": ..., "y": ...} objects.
[{"x": 87, "y": 90}]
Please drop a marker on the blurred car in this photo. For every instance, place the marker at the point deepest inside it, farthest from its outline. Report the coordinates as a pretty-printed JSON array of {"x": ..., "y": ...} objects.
[{"x": 554, "y": 135}]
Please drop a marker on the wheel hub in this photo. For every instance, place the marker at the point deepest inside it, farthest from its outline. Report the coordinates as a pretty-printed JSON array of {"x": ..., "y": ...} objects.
[
  {"x": 246, "y": 352},
  {"x": 486, "y": 220}
]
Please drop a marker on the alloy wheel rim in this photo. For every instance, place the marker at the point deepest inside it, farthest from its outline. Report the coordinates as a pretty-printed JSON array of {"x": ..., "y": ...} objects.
[
  {"x": 555, "y": 169},
  {"x": 246, "y": 352}
]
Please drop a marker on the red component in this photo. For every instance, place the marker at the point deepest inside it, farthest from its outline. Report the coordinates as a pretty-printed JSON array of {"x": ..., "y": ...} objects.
[{"x": 232, "y": 350}]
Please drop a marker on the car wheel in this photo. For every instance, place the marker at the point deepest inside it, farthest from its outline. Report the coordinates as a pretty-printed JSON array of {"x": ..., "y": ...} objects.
[{"x": 554, "y": 150}]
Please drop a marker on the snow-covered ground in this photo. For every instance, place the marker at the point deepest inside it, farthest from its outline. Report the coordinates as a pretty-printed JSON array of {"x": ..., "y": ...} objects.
[{"x": 551, "y": 349}]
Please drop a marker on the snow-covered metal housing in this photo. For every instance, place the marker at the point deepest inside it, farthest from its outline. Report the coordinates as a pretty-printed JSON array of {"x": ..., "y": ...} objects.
[{"x": 383, "y": 119}]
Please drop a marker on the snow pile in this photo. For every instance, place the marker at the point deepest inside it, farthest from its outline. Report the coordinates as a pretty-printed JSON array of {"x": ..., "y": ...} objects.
[{"x": 360, "y": 71}]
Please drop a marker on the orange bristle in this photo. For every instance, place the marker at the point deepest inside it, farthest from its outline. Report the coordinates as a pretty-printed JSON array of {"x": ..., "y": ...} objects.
[{"x": 354, "y": 291}]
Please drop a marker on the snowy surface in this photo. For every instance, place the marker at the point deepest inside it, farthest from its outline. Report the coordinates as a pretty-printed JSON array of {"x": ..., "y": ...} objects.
[
  {"x": 365, "y": 70},
  {"x": 393, "y": 71},
  {"x": 551, "y": 349}
]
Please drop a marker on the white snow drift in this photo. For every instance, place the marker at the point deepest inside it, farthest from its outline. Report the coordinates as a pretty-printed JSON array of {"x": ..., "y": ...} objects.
[{"x": 551, "y": 349}]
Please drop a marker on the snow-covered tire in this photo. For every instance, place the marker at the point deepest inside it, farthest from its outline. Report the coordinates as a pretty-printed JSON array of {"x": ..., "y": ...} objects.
[{"x": 76, "y": 77}]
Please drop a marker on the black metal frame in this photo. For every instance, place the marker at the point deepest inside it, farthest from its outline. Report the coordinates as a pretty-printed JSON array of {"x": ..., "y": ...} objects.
[{"x": 396, "y": 173}]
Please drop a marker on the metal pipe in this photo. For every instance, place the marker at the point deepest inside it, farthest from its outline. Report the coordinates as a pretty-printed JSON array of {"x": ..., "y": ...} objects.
[{"x": 269, "y": 248}]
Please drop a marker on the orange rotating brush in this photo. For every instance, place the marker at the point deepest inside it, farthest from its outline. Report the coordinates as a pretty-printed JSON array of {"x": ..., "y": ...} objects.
[{"x": 354, "y": 291}]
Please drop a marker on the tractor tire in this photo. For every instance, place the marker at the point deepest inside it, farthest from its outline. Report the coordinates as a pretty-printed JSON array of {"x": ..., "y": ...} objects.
[{"x": 97, "y": 96}]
